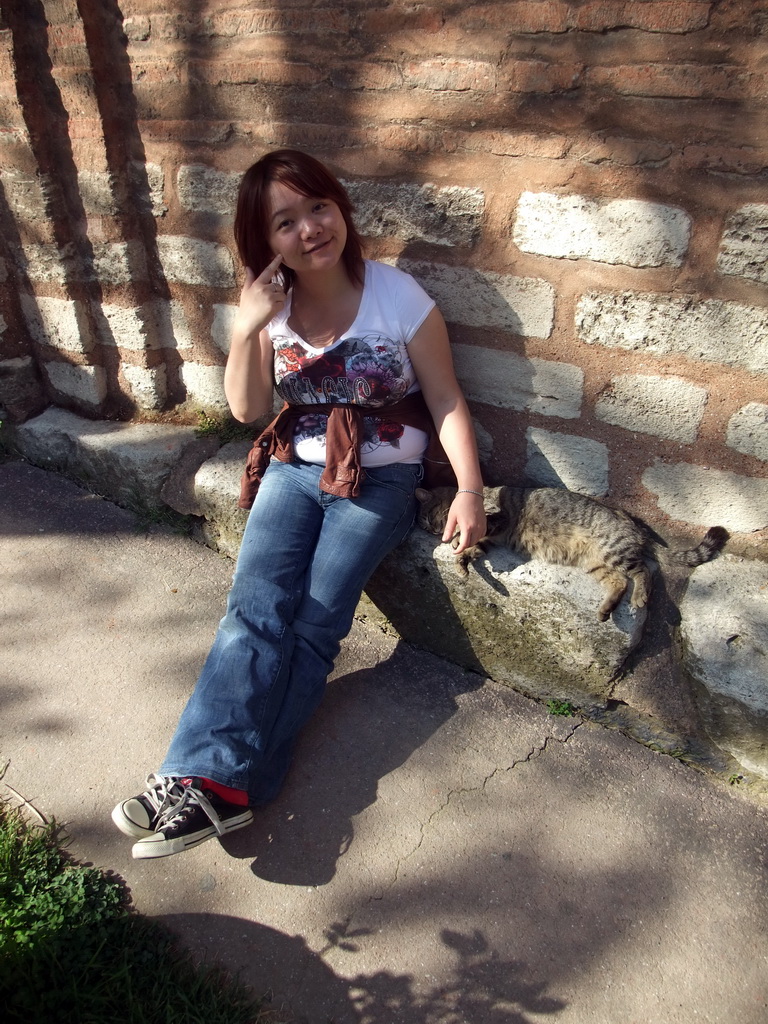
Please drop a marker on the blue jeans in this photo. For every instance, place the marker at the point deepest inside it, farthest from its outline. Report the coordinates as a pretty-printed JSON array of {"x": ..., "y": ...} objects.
[{"x": 304, "y": 560}]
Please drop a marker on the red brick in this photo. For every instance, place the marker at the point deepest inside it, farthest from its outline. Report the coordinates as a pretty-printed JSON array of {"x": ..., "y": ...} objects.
[
  {"x": 171, "y": 26},
  {"x": 616, "y": 150},
  {"x": 58, "y": 12},
  {"x": 268, "y": 72},
  {"x": 205, "y": 132},
  {"x": 658, "y": 16},
  {"x": 388, "y": 21},
  {"x": 315, "y": 137},
  {"x": 410, "y": 139},
  {"x": 540, "y": 76},
  {"x": 679, "y": 81},
  {"x": 451, "y": 75},
  {"x": 272, "y": 19},
  {"x": 86, "y": 128},
  {"x": 548, "y": 147},
  {"x": 740, "y": 16},
  {"x": 526, "y": 16},
  {"x": 743, "y": 160},
  {"x": 552, "y": 16},
  {"x": 149, "y": 72},
  {"x": 360, "y": 75},
  {"x": 67, "y": 35}
]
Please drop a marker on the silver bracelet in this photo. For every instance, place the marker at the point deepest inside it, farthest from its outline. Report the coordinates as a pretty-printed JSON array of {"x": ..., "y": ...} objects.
[{"x": 467, "y": 490}]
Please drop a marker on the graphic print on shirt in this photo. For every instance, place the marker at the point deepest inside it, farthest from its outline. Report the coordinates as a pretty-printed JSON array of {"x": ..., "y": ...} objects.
[{"x": 369, "y": 371}]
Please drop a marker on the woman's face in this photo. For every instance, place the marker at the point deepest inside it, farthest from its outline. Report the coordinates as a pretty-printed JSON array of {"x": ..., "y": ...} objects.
[{"x": 307, "y": 231}]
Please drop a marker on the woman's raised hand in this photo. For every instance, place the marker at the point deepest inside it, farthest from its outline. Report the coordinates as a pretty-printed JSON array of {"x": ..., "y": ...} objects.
[{"x": 260, "y": 299}]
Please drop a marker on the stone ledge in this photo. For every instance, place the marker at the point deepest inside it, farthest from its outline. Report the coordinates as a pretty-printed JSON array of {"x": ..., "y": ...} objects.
[
  {"x": 126, "y": 462},
  {"x": 528, "y": 624}
]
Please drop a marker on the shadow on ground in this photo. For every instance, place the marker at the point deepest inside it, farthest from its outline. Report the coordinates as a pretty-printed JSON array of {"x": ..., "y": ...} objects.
[{"x": 484, "y": 987}]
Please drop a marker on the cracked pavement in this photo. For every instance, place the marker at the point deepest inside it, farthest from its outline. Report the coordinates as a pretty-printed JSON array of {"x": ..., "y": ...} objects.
[{"x": 445, "y": 851}]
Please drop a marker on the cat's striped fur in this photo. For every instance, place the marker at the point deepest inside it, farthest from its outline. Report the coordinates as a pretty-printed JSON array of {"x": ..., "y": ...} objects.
[{"x": 566, "y": 528}]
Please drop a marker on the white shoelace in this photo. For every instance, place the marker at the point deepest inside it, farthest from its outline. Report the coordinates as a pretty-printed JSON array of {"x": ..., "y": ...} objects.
[
  {"x": 162, "y": 791},
  {"x": 183, "y": 803}
]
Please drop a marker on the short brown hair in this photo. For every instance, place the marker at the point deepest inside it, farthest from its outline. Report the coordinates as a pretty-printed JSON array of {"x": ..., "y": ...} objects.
[{"x": 305, "y": 175}]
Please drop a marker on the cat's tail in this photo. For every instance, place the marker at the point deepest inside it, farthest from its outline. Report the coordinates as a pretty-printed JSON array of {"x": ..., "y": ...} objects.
[{"x": 711, "y": 543}]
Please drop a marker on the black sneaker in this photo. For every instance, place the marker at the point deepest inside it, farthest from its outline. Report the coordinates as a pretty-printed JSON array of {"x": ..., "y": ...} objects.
[
  {"x": 189, "y": 820},
  {"x": 138, "y": 816}
]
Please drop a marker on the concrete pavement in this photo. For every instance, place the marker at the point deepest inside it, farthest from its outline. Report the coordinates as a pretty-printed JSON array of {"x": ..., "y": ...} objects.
[{"x": 444, "y": 850}]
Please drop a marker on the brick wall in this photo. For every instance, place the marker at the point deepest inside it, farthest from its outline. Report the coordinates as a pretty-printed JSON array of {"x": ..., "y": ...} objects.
[{"x": 581, "y": 186}]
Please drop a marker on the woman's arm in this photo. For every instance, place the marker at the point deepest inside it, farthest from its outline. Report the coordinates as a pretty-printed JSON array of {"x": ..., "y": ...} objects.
[
  {"x": 248, "y": 377},
  {"x": 430, "y": 354}
]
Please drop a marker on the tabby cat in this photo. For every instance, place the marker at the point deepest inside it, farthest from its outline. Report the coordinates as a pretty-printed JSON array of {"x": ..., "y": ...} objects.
[{"x": 566, "y": 528}]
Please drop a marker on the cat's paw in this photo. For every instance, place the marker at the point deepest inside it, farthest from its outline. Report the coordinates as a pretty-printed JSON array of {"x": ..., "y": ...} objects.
[
  {"x": 466, "y": 557},
  {"x": 461, "y": 565}
]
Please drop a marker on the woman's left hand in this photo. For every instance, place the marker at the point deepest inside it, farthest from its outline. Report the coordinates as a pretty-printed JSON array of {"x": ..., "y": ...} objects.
[{"x": 466, "y": 517}]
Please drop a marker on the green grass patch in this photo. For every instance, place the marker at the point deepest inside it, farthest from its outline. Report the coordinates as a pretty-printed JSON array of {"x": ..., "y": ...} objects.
[
  {"x": 72, "y": 950},
  {"x": 148, "y": 516},
  {"x": 561, "y": 707},
  {"x": 225, "y": 428}
]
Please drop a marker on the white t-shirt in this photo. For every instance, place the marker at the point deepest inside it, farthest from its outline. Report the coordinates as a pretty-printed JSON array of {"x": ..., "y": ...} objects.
[{"x": 368, "y": 365}]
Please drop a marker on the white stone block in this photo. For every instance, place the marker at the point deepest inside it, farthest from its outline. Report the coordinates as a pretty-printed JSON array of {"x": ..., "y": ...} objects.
[
  {"x": 748, "y": 430},
  {"x": 119, "y": 262},
  {"x": 205, "y": 386},
  {"x": 223, "y": 322},
  {"x": 148, "y": 183},
  {"x": 205, "y": 190},
  {"x": 711, "y": 330},
  {"x": 148, "y": 386},
  {"x": 632, "y": 232},
  {"x": 484, "y": 441},
  {"x": 112, "y": 262},
  {"x": 512, "y": 381},
  {"x": 166, "y": 325},
  {"x": 46, "y": 262},
  {"x": 86, "y": 384},
  {"x": 57, "y": 322},
  {"x": 744, "y": 246},
  {"x": 25, "y": 194},
  {"x": 122, "y": 327},
  {"x": 709, "y": 497},
  {"x": 565, "y": 460},
  {"x": 96, "y": 193},
  {"x": 192, "y": 261},
  {"x": 663, "y": 406},
  {"x": 442, "y": 216},
  {"x": 157, "y": 324},
  {"x": 521, "y": 305}
]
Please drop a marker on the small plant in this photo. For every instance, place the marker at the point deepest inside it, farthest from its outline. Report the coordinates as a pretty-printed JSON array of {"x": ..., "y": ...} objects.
[
  {"x": 561, "y": 707},
  {"x": 164, "y": 516},
  {"x": 72, "y": 949},
  {"x": 735, "y": 779},
  {"x": 226, "y": 429}
]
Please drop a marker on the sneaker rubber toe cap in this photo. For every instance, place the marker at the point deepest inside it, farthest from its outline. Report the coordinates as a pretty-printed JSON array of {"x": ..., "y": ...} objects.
[{"x": 132, "y": 819}]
